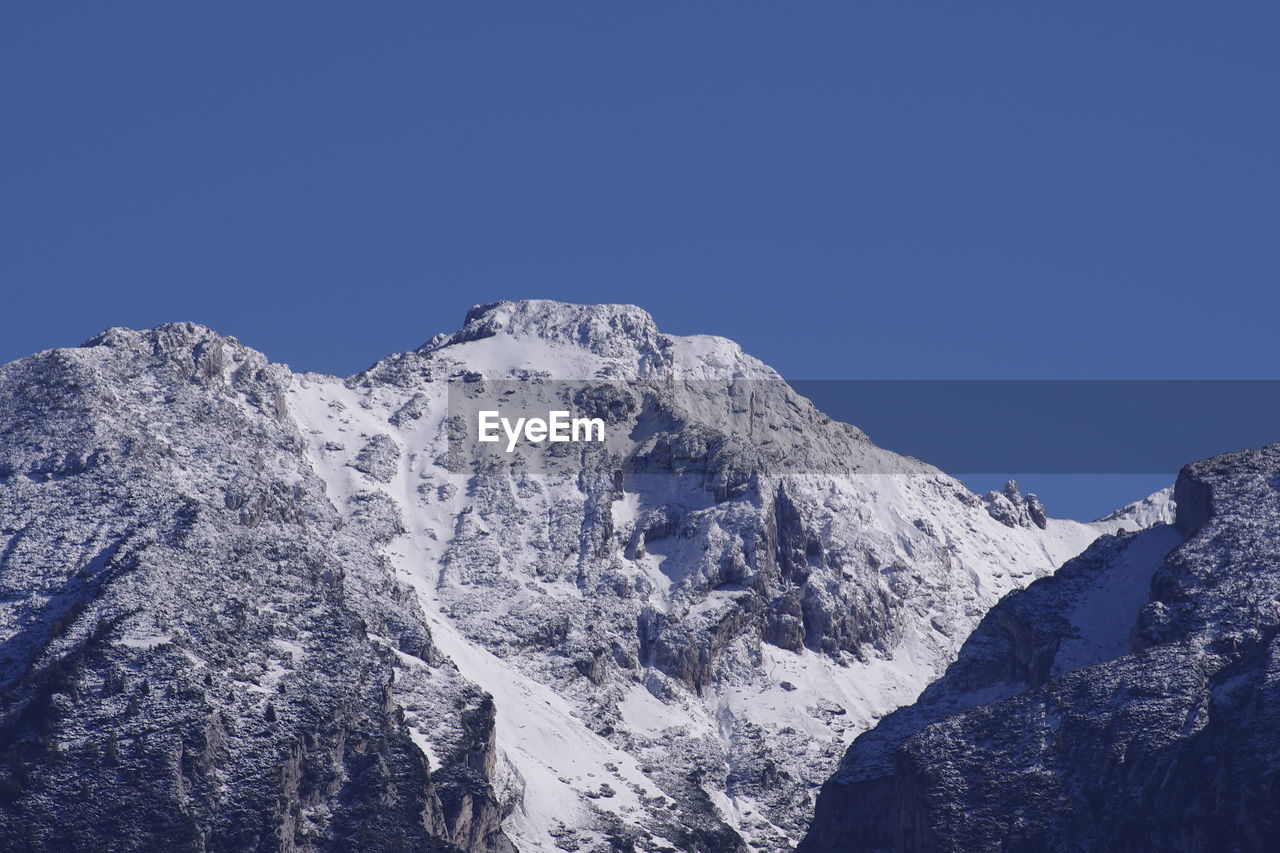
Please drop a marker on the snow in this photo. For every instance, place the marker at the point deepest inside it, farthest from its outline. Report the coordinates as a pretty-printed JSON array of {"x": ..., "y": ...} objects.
[
  {"x": 647, "y": 714},
  {"x": 905, "y": 511},
  {"x": 553, "y": 752},
  {"x": 1109, "y": 607},
  {"x": 149, "y": 641},
  {"x": 1154, "y": 509}
]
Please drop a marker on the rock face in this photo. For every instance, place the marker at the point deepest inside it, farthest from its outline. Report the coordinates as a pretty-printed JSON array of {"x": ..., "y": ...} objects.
[
  {"x": 682, "y": 629},
  {"x": 198, "y": 651},
  {"x": 1130, "y": 702},
  {"x": 242, "y": 608},
  {"x": 1011, "y": 509}
]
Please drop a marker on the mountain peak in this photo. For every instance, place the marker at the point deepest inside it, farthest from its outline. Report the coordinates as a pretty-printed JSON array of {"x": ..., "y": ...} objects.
[
  {"x": 572, "y": 341},
  {"x": 607, "y": 330}
]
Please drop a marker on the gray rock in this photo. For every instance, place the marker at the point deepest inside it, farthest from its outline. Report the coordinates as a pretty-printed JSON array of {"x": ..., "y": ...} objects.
[
  {"x": 379, "y": 458},
  {"x": 1129, "y": 702},
  {"x": 186, "y": 657},
  {"x": 216, "y": 581}
]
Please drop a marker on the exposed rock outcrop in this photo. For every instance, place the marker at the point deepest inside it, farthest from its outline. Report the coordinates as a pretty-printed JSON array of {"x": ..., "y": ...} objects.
[
  {"x": 196, "y": 651},
  {"x": 242, "y": 608},
  {"x": 1127, "y": 703}
]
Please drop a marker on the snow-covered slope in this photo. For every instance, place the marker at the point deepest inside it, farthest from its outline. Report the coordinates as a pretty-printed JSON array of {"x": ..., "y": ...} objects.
[
  {"x": 1128, "y": 702},
  {"x": 197, "y": 651},
  {"x": 1158, "y": 508},
  {"x": 242, "y": 608},
  {"x": 684, "y": 631}
]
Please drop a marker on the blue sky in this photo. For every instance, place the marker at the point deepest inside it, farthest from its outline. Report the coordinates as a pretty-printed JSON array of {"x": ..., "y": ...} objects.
[{"x": 851, "y": 190}]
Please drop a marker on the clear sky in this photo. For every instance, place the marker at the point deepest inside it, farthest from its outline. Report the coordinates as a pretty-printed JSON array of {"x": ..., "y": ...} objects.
[{"x": 852, "y": 189}]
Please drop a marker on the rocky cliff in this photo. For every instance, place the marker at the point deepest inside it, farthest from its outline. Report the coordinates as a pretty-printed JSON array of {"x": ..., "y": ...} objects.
[
  {"x": 1127, "y": 703},
  {"x": 198, "y": 651},
  {"x": 683, "y": 628},
  {"x": 242, "y": 608}
]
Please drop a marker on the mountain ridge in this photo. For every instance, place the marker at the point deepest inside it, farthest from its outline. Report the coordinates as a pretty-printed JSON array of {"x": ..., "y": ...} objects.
[
  {"x": 1124, "y": 703},
  {"x": 666, "y": 645}
]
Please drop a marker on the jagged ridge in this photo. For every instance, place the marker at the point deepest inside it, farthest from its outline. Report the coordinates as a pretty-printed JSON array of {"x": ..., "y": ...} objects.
[
  {"x": 245, "y": 607},
  {"x": 1129, "y": 702}
]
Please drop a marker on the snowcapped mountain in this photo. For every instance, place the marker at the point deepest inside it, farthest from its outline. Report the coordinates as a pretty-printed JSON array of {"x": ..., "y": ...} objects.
[
  {"x": 736, "y": 618},
  {"x": 198, "y": 648},
  {"x": 295, "y": 611},
  {"x": 1126, "y": 703},
  {"x": 1158, "y": 508}
]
